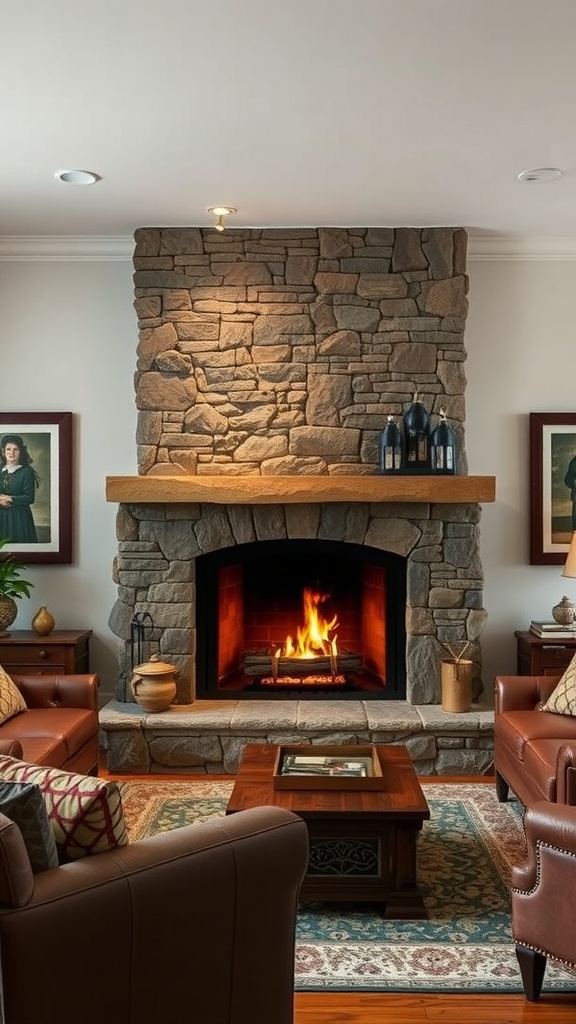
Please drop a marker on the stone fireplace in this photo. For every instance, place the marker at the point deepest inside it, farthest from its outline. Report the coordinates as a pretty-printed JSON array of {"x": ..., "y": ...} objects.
[{"x": 268, "y": 361}]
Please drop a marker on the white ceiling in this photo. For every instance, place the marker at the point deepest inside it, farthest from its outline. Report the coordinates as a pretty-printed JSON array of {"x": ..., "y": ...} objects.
[{"x": 297, "y": 112}]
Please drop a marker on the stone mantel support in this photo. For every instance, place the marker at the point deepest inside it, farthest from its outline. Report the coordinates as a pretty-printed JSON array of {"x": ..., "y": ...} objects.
[{"x": 269, "y": 490}]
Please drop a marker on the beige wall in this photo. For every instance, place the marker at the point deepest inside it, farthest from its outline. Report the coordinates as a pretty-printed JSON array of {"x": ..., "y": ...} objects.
[
  {"x": 520, "y": 341},
  {"x": 68, "y": 343}
]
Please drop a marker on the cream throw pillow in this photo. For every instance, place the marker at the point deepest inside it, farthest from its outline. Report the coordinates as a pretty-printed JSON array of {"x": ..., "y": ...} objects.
[
  {"x": 85, "y": 812},
  {"x": 562, "y": 700},
  {"x": 11, "y": 700}
]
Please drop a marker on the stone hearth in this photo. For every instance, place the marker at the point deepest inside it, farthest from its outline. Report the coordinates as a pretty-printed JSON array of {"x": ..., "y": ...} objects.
[{"x": 208, "y": 737}]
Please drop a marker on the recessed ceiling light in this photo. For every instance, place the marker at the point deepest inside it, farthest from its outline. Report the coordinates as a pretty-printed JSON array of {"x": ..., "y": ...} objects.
[
  {"x": 220, "y": 212},
  {"x": 540, "y": 174},
  {"x": 77, "y": 177}
]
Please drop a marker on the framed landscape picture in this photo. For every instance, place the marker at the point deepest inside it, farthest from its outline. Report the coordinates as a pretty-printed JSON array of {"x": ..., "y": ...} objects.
[
  {"x": 36, "y": 485},
  {"x": 552, "y": 486}
]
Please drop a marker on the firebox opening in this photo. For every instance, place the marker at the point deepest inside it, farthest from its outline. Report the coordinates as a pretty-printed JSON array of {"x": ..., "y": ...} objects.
[{"x": 301, "y": 619}]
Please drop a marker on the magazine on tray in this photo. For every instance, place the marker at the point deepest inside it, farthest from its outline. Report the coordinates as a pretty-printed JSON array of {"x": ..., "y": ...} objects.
[{"x": 305, "y": 764}]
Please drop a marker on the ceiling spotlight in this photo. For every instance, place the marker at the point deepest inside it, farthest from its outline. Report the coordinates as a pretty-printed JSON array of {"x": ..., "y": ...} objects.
[
  {"x": 540, "y": 174},
  {"x": 220, "y": 212},
  {"x": 77, "y": 177}
]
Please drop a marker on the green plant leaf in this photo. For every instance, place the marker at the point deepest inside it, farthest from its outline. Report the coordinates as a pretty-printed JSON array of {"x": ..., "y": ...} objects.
[{"x": 11, "y": 583}]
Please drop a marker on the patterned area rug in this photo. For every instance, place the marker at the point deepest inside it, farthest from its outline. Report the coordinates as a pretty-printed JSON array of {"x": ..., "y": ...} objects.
[{"x": 465, "y": 852}]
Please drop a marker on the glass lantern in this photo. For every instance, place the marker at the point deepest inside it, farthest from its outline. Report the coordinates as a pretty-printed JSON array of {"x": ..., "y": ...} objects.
[
  {"x": 443, "y": 447},
  {"x": 416, "y": 437},
  {"x": 390, "y": 448}
]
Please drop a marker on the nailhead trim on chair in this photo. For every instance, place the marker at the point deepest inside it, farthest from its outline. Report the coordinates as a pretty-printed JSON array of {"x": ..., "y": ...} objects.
[
  {"x": 528, "y": 892},
  {"x": 548, "y": 846}
]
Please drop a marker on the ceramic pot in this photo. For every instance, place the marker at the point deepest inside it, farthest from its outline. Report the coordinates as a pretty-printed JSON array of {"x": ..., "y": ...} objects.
[
  {"x": 564, "y": 612},
  {"x": 43, "y": 622},
  {"x": 8, "y": 612},
  {"x": 456, "y": 678},
  {"x": 154, "y": 684}
]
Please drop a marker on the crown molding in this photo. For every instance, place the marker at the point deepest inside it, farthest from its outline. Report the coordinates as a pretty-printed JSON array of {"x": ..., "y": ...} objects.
[
  {"x": 520, "y": 247},
  {"x": 40, "y": 248},
  {"x": 49, "y": 248}
]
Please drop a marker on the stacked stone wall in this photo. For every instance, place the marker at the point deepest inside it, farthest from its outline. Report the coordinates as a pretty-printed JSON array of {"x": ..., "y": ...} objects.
[{"x": 283, "y": 351}]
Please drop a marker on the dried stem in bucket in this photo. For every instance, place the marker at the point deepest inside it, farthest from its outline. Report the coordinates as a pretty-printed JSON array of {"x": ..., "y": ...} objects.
[{"x": 457, "y": 657}]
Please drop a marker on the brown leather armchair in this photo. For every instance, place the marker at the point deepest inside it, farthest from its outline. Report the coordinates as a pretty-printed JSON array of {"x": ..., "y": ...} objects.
[
  {"x": 534, "y": 751},
  {"x": 193, "y": 924},
  {"x": 544, "y": 893},
  {"x": 60, "y": 728}
]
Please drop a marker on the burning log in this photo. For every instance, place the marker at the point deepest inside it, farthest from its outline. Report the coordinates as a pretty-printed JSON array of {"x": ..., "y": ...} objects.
[
  {"x": 304, "y": 681},
  {"x": 311, "y": 657},
  {"x": 265, "y": 663}
]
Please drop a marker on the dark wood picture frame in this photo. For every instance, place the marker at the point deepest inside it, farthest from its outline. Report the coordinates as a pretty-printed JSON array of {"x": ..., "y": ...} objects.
[
  {"x": 48, "y": 439},
  {"x": 552, "y": 446}
]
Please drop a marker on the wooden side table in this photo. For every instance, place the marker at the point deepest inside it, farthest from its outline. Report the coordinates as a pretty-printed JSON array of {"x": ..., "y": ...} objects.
[
  {"x": 542, "y": 656},
  {"x": 65, "y": 651}
]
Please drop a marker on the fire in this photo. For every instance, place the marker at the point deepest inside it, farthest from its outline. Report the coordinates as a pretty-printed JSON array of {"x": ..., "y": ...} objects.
[{"x": 312, "y": 639}]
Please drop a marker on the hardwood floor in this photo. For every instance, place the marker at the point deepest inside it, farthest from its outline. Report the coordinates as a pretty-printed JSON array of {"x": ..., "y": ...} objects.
[
  {"x": 388, "y": 1008},
  {"x": 410, "y": 1008}
]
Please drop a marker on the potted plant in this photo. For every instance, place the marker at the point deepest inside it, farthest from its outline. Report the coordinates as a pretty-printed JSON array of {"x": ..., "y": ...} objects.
[{"x": 11, "y": 586}]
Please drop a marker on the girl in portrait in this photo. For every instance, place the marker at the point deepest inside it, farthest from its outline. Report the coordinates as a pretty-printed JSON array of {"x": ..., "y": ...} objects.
[{"x": 18, "y": 485}]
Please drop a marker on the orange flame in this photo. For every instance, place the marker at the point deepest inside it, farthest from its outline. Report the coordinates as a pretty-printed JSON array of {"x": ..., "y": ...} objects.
[{"x": 312, "y": 639}]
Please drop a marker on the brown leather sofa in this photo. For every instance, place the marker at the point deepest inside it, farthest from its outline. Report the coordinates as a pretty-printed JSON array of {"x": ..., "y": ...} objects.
[
  {"x": 543, "y": 888},
  {"x": 193, "y": 924},
  {"x": 534, "y": 751},
  {"x": 60, "y": 727}
]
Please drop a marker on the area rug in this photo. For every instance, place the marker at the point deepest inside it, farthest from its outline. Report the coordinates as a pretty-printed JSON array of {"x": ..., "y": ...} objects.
[{"x": 464, "y": 856}]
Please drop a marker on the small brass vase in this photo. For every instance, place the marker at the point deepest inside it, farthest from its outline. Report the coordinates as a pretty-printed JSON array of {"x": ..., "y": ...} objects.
[{"x": 43, "y": 622}]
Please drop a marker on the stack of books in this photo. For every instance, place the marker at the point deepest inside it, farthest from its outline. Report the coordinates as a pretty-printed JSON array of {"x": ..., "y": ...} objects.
[{"x": 552, "y": 630}]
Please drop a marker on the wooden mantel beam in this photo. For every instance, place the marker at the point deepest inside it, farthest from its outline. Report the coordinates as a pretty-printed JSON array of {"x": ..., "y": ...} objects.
[{"x": 272, "y": 490}]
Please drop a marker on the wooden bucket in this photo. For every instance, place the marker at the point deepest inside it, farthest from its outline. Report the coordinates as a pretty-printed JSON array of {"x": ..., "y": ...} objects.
[{"x": 456, "y": 679}]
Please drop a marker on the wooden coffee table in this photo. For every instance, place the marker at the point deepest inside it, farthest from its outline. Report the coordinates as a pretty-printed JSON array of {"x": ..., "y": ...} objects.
[{"x": 362, "y": 842}]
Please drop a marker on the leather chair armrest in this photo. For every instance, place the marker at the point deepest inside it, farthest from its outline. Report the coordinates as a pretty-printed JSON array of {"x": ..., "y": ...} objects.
[
  {"x": 16, "y": 878},
  {"x": 551, "y": 824},
  {"x": 13, "y": 748},
  {"x": 207, "y": 913},
  {"x": 566, "y": 772},
  {"x": 56, "y": 691},
  {"x": 522, "y": 693}
]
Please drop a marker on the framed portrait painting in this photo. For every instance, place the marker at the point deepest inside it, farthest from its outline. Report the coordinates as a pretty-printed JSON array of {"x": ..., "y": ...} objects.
[
  {"x": 36, "y": 485},
  {"x": 552, "y": 486}
]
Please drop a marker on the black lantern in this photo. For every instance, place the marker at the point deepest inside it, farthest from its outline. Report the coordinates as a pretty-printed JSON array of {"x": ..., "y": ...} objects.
[
  {"x": 443, "y": 447},
  {"x": 416, "y": 437},
  {"x": 390, "y": 448}
]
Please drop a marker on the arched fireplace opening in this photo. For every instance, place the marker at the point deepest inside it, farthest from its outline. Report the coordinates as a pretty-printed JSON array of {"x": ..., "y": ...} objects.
[{"x": 301, "y": 619}]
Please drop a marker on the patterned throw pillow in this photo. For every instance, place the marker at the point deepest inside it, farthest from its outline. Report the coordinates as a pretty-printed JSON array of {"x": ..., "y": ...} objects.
[
  {"x": 86, "y": 813},
  {"x": 11, "y": 700},
  {"x": 562, "y": 700},
  {"x": 23, "y": 803}
]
